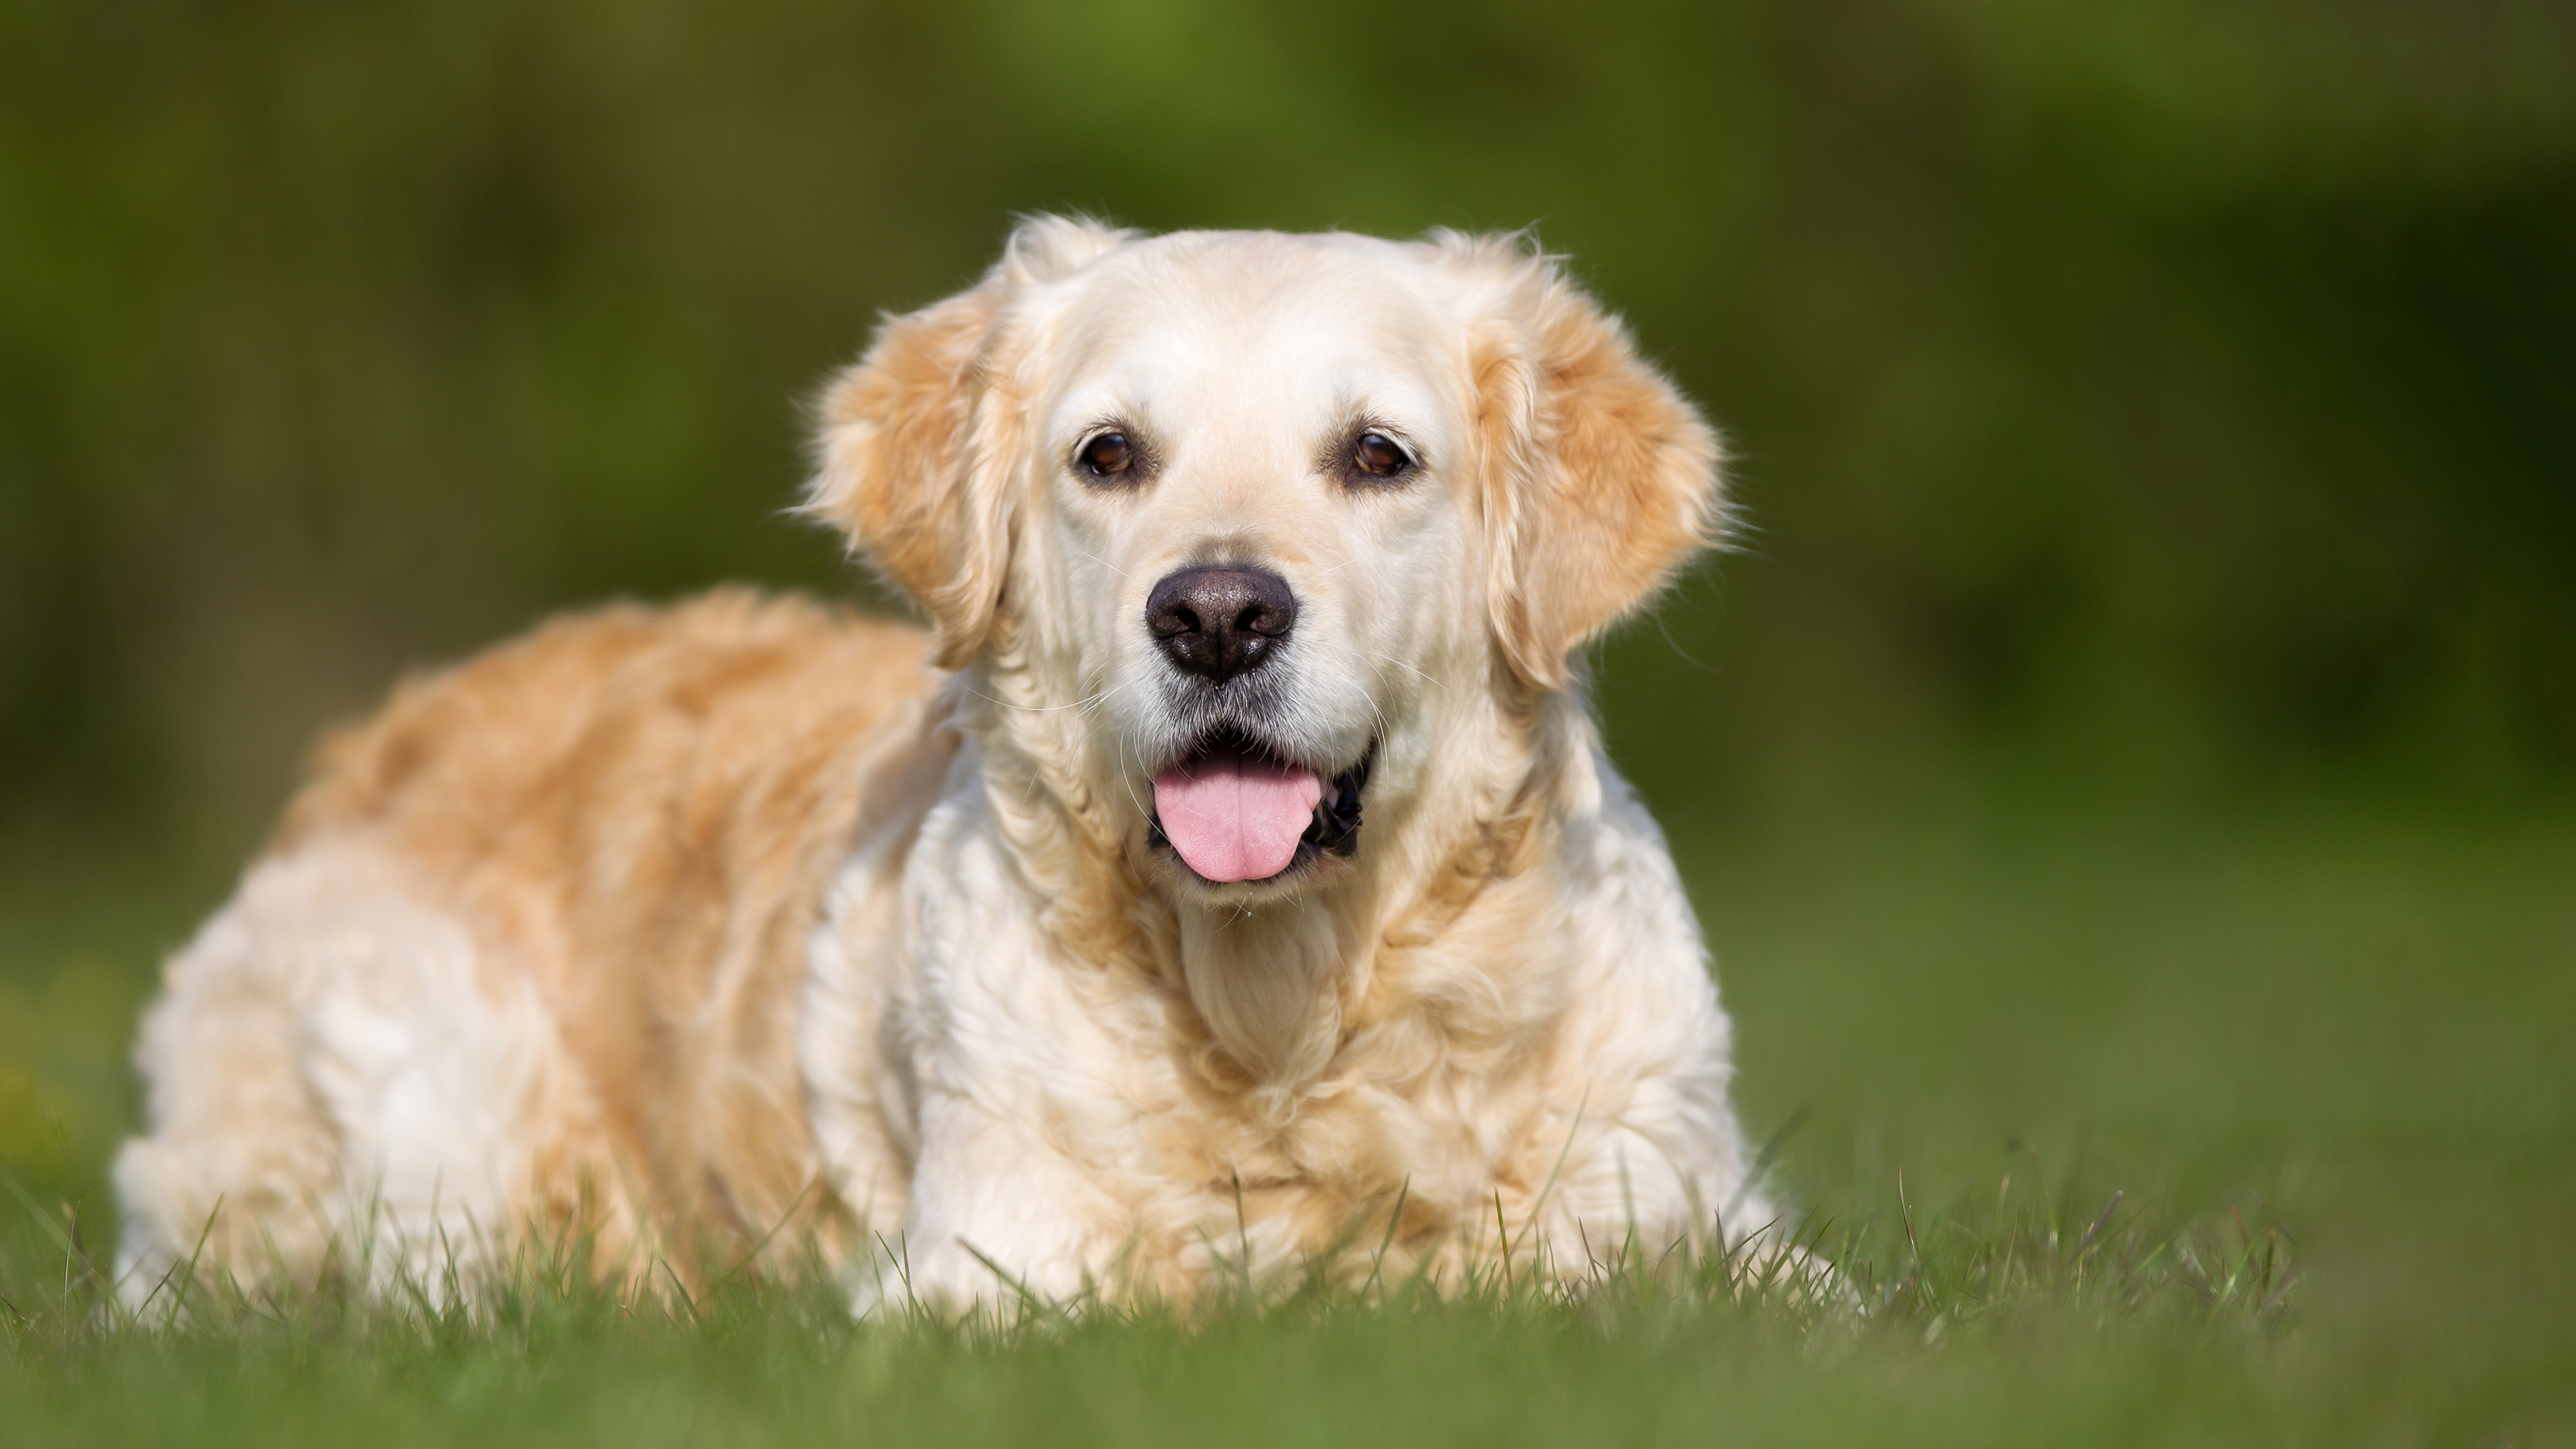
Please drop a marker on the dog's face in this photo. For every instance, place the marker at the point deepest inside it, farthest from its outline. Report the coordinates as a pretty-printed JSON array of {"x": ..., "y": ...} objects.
[
  {"x": 1272, "y": 515},
  {"x": 1258, "y": 481}
]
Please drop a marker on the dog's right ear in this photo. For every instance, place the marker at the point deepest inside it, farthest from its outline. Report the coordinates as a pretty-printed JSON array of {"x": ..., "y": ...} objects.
[
  {"x": 918, "y": 441},
  {"x": 896, "y": 466}
]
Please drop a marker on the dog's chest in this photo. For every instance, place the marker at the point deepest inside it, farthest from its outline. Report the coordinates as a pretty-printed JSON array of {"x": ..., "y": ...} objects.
[{"x": 1439, "y": 1088}]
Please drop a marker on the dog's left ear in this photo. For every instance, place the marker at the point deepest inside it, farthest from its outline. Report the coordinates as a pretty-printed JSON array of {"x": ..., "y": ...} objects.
[{"x": 1600, "y": 478}]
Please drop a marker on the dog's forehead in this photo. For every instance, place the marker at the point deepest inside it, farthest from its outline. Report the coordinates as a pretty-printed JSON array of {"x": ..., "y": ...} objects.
[{"x": 1300, "y": 322}]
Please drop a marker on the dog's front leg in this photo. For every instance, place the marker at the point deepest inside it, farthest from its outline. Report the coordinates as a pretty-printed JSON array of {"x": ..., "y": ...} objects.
[{"x": 999, "y": 1219}]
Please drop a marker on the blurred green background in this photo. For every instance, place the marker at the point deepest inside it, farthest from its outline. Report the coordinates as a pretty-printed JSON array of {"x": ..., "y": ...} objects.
[
  {"x": 2140, "y": 719},
  {"x": 2182, "y": 387}
]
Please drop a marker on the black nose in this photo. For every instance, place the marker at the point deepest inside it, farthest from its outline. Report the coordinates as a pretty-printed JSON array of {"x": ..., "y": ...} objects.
[{"x": 1221, "y": 622}]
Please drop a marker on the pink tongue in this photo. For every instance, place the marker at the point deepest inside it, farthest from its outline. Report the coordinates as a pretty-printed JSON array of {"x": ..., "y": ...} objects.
[{"x": 1233, "y": 818}]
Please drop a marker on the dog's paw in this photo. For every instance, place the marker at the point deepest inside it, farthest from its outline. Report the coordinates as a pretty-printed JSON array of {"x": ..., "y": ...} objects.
[{"x": 952, "y": 1280}]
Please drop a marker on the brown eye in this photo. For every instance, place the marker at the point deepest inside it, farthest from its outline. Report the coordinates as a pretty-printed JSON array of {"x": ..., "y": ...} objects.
[
  {"x": 1107, "y": 456},
  {"x": 1379, "y": 456}
]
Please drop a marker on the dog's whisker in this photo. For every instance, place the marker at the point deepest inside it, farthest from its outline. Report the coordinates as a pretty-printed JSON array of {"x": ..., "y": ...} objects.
[
  {"x": 1104, "y": 696},
  {"x": 1104, "y": 563},
  {"x": 1400, "y": 664},
  {"x": 1127, "y": 779},
  {"x": 1377, "y": 714},
  {"x": 1037, "y": 708}
]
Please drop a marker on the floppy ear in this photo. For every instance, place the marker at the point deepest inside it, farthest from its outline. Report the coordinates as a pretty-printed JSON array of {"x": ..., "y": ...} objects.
[
  {"x": 918, "y": 441},
  {"x": 1600, "y": 478}
]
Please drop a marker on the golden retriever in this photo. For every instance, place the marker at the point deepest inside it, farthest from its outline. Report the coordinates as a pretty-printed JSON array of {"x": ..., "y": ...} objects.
[{"x": 1232, "y": 872}]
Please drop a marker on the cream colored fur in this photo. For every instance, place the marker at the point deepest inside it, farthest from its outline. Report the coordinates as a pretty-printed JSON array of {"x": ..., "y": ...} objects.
[{"x": 748, "y": 925}]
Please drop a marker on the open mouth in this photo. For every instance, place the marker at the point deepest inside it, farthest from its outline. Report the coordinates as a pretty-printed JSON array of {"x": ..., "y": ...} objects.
[{"x": 1234, "y": 810}]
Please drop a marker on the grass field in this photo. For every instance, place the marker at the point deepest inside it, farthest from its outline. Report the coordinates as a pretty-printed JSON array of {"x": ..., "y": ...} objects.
[{"x": 2317, "y": 1052}]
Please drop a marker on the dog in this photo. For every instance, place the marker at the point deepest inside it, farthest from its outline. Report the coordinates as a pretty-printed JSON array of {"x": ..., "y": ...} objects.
[{"x": 1228, "y": 878}]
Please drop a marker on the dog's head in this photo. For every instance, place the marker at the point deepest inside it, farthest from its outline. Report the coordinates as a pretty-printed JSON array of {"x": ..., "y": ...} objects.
[{"x": 1274, "y": 515}]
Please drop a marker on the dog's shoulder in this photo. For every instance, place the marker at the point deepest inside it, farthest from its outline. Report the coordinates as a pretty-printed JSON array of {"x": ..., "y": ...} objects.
[{"x": 1639, "y": 939}]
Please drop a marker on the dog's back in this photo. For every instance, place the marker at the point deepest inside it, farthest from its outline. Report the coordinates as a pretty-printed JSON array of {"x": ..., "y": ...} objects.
[{"x": 592, "y": 854}]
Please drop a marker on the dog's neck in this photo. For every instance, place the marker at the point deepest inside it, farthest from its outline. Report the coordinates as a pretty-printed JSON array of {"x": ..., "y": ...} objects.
[{"x": 1276, "y": 988}]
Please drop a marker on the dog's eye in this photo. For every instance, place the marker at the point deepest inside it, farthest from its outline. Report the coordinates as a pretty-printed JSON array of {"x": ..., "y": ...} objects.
[
  {"x": 1109, "y": 455},
  {"x": 1379, "y": 456}
]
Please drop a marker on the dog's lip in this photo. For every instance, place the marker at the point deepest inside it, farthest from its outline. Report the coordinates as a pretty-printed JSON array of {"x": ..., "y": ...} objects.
[
  {"x": 1335, "y": 827},
  {"x": 1230, "y": 739}
]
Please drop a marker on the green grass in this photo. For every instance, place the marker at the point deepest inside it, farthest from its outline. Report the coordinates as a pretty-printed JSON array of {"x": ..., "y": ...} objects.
[
  {"x": 2317, "y": 1055},
  {"x": 542, "y": 1354}
]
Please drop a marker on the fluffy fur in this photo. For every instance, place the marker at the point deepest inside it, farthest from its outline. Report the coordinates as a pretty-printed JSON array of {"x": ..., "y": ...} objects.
[{"x": 748, "y": 925}]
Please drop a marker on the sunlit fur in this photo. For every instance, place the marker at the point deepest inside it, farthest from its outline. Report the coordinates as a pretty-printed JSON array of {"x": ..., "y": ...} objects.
[{"x": 750, "y": 925}]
